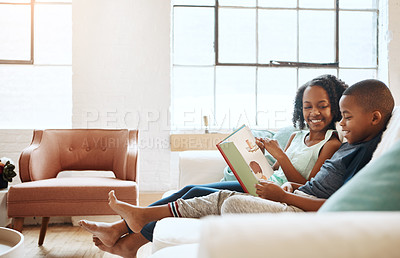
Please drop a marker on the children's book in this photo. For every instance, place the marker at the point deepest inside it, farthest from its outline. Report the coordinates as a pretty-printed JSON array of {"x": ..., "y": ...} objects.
[{"x": 245, "y": 158}]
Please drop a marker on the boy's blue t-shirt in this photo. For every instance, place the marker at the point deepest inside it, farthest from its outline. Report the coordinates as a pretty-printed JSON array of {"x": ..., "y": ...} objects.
[{"x": 343, "y": 165}]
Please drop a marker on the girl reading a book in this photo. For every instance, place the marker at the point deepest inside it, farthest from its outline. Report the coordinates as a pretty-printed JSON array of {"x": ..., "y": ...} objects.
[{"x": 316, "y": 107}]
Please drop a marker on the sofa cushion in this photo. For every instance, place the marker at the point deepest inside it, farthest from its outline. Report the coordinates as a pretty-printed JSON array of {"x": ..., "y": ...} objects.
[
  {"x": 390, "y": 135},
  {"x": 180, "y": 251},
  {"x": 200, "y": 167},
  {"x": 283, "y": 135},
  {"x": 172, "y": 231},
  {"x": 308, "y": 235},
  {"x": 375, "y": 188}
]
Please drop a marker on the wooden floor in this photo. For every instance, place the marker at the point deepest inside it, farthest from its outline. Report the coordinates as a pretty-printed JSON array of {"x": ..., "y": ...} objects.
[{"x": 66, "y": 241}]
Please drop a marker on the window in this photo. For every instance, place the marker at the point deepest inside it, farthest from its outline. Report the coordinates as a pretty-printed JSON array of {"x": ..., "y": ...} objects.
[
  {"x": 242, "y": 61},
  {"x": 36, "y": 63}
]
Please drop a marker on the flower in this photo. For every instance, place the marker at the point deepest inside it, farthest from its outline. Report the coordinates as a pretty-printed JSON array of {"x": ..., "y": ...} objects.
[{"x": 7, "y": 169}]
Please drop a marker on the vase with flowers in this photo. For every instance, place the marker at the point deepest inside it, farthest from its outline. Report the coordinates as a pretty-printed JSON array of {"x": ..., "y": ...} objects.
[{"x": 6, "y": 172}]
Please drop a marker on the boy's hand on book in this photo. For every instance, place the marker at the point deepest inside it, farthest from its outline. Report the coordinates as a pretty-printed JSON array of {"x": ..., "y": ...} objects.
[
  {"x": 287, "y": 187},
  {"x": 270, "y": 191}
]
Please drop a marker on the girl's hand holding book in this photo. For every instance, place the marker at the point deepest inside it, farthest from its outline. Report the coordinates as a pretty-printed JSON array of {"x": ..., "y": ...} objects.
[
  {"x": 272, "y": 146},
  {"x": 260, "y": 144}
]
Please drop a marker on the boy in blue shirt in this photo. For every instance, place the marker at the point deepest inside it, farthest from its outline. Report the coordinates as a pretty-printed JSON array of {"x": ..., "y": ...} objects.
[{"x": 366, "y": 108}]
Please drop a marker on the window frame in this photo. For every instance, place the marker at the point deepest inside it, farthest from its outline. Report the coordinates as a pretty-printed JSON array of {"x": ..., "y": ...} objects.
[
  {"x": 277, "y": 63},
  {"x": 335, "y": 65},
  {"x": 32, "y": 4}
]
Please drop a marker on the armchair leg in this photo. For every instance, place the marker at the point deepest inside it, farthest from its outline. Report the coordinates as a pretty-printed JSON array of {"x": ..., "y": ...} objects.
[
  {"x": 43, "y": 229},
  {"x": 18, "y": 223}
]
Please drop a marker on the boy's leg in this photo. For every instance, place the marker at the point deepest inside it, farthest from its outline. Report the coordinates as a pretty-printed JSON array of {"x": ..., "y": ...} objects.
[
  {"x": 189, "y": 192},
  {"x": 202, "y": 206},
  {"x": 109, "y": 233},
  {"x": 195, "y": 191},
  {"x": 252, "y": 204},
  {"x": 137, "y": 217}
]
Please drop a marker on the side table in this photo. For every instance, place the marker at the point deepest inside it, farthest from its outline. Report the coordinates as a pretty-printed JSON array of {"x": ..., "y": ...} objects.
[{"x": 4, "y": 220}]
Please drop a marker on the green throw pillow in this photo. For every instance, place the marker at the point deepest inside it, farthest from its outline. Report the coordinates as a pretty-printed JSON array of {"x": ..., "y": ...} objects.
[
  {"x": 375, "y": 188},
  {"x": 283, "y": 135}
]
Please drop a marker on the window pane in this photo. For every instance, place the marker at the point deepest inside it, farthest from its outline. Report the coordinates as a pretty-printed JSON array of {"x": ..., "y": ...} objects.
[
  {"x": 358, "y": 4},
  {"x": 237, "y": 35},
  {"x": 276, "y": 92},
  {"x": 247, "y": 3},
  {"x": 37, "y": 96},
  {"x": 317, "y": 3},
  {"x": 351, "y": 76},
  {"x": 357, "y": 39},
  {"x": 53, "y": 34},
  {"x": 194, "y": 2},
  {"x": 235, "y": 96},
  {"x": 277, "y": 3},
  {"x": 277, "y": 35},
  {"x": 317, "y": 36},
  {"x": 193, "y": 36},
  {"x": 192, "y": 95},
  {"x": 307, "y": 74},
  {"x": 15, "y": 31}
]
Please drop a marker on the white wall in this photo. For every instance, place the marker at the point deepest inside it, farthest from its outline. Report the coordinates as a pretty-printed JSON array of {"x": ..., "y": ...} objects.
[
  {"x": 394, "y": 48},
  {"x": 121, "y": 65},
  {"x": 121, "y": 76},
  {"x": 12, "y": 142}
]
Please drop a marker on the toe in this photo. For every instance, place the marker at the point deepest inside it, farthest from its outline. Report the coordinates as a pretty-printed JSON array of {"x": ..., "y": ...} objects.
[{"x": 111, "y": 195}]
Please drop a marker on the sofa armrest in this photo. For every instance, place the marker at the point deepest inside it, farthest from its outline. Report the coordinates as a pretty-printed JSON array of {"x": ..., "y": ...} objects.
[
  {"x": 301, "y": 235},
  {"x": 200, "y": 167}
]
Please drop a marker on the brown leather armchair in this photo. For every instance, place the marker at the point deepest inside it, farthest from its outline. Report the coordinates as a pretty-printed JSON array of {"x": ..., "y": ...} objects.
[{"x": 42, "y": 194}]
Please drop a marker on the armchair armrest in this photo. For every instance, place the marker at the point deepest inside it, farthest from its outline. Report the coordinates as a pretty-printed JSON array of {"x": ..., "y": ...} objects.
[
  {"x": 308, "y": 235},
  {"x": 24, "y": 160}
]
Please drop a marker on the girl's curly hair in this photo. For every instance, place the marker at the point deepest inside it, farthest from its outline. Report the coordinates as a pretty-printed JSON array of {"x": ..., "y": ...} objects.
[{"x": 333, "y": 86}]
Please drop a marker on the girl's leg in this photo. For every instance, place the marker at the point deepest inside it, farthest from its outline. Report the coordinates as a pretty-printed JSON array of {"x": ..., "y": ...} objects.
[
  {"x": 183, "y": 193},
  {"x": 136, "y": 217}
]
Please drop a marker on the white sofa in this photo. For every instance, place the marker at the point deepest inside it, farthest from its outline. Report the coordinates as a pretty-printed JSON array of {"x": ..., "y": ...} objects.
[{"x": 339, "y": 234}]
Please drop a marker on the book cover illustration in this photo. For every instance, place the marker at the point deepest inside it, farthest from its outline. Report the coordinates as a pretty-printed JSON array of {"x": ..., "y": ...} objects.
[{"x": 245, "y": 159}]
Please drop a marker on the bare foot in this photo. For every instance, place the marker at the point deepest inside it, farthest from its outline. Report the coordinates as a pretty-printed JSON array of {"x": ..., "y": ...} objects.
[
  {"x": 126, "y": 246},
  {"x": 103, "y": 231},
  {"x": 131, "y": 213},
  {"x": 111, "y": 249}
]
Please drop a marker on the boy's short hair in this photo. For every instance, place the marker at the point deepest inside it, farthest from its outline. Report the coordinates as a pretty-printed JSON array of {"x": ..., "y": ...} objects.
[{"x": 372, "y": 95}]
